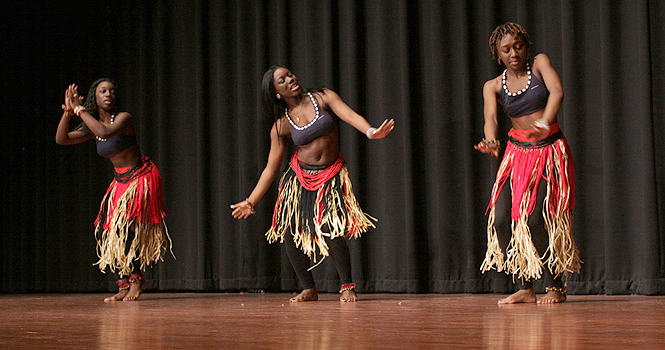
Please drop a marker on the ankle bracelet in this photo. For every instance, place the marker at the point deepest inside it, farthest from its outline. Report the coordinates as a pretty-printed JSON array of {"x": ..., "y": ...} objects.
[
  {"x": 560, "y": 290},
  {"x": 135, "y": 277},
  {"x": 347, "y": 286},
  {"x": 122, "y": 284}
]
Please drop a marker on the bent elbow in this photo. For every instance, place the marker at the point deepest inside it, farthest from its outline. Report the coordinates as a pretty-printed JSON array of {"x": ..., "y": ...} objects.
[{"x": 557, "y": 93}]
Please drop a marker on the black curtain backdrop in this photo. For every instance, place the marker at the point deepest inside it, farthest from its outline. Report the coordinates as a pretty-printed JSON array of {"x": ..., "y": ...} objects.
[{"x": 190, "y": 71}]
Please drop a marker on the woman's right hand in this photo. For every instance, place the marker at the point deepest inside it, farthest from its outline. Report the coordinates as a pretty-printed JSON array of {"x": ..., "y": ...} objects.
[
  {"x": 242, "y": 210},
  {"x": 484, "y": 147},
  {"x": 72, "y": 99}
]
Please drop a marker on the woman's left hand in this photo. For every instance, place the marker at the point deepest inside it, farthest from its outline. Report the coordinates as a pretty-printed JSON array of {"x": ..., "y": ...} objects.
[
  {"x": 382, "y": 131},
  {"x": 538, "y": 132}
]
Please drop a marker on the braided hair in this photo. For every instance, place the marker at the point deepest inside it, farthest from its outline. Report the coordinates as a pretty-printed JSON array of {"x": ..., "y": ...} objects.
[{"x": 505, "y": 29}]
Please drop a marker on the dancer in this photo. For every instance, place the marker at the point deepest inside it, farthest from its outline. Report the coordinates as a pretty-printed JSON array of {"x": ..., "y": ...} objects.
[
  {"x": 316, "y": 208},
  {"x": 531, "y": 94},
  {"x": 130, "y": 229}
]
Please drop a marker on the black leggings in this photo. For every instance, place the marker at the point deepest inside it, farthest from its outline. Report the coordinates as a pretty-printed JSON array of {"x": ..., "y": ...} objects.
[
  {"x": 339, "y": 252},
  {"x": 539, "y": 235},
  {"x": 137, "y": 263}
]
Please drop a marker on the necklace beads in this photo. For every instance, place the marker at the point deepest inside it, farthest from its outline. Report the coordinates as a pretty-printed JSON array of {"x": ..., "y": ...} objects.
[
  {"x": 528, "y": 82},
  {"x": 112, "y": 120},
  {"x": 316, "y": 109}
]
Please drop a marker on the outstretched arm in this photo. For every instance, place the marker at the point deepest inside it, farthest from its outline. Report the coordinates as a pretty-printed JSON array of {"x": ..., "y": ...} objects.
[
  {"x": 242, "y": 210},
  {"x": 344, "y": 112}
]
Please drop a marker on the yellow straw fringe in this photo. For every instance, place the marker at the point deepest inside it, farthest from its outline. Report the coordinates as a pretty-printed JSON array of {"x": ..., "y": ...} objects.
[
  {"x": 563, "y": 254},
  {"x": 289, "y": 200},
  {"x": 494, "y": 256},
  {"x": 147, "y": 245},
  {"x": 522, "y": 258}
]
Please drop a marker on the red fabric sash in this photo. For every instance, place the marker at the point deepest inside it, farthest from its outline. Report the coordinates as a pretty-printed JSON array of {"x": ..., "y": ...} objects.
[
  {"x": 313, "y": 182},
  {"x": 150, "y": 204},
  {"x": 521, "y": 134},
  {"x": 518, "y": 164}
]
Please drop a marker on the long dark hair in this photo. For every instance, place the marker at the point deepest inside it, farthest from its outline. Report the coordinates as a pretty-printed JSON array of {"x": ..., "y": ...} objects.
[
  {"x": 90, "y": 102},
  {"x": 272, "y": 106}
]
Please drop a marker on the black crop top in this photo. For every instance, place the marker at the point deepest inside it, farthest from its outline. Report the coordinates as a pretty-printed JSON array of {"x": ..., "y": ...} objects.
[
  {"x": 107, "y": 148},
  {"x": 526, "y": 101},
  {"x": 322, "y": 124}
]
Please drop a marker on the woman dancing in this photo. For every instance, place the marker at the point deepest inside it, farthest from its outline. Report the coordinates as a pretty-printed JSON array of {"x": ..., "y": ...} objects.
[
  {"x": 316, "y": 208},
  {"x": 531, "y": 94},
  {"x": 130, "y": 228}
]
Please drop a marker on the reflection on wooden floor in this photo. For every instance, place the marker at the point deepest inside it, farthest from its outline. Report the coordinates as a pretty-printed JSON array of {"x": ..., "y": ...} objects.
[{"x": 377, "y": 321}]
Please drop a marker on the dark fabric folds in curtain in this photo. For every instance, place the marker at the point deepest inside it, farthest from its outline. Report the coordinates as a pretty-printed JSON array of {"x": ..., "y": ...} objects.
[{"x": 190, "y": 72}]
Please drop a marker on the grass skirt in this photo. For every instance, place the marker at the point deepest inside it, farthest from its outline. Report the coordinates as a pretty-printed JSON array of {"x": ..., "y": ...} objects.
[
  {"x": 133, "y": 206},
  {"x": 526, "y": 167},
  {"x": 305, "y": 213}
]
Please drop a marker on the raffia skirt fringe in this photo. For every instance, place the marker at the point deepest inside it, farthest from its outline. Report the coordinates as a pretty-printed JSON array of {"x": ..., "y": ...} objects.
[
  {"x": 134, "y": 204},
  {"x": 304, "y": 213},
  {"x": 526, "y": 167}
]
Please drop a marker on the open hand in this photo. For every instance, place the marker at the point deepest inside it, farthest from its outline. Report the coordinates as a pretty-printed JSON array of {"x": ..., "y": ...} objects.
[
  {"x": 72, "y": 99},
  {"x": 382, "y": 131}
]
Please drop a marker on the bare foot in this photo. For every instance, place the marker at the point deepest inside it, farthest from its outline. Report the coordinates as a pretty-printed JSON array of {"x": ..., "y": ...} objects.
[
  {"x": 552, "y": 297},
  {"x": 135, "y": 289},
  {"x": 123, "y": 284},
  {"x": 348, "y": 296},
  {"x": 521, "y": 296},
  {"x": 306, "y": 295}
]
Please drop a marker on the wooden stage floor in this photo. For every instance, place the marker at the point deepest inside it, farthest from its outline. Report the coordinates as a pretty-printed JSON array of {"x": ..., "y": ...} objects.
[{"x": 376, "y": 321}]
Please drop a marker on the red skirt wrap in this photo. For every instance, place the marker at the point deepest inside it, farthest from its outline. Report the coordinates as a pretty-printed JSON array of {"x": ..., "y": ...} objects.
[
  {"x": 132, "y": 206},
  {"x": 310, "y": 201},
  {"x": 526, "y": 167}
]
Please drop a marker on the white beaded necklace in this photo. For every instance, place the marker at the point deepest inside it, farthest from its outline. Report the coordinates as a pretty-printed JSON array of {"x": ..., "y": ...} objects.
[
  {"x": 528, "y": 82},
  {"x": 112, "y": 120},
  {"x": 316, "y": 108}
]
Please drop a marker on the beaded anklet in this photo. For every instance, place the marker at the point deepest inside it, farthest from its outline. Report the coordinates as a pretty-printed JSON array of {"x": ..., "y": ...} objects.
[
  {"x": 136, "y": 277},
  {"x": 560, "y": 290},
  {"x": 347, "y": 286},
  {"x": 122, "y": 285}
]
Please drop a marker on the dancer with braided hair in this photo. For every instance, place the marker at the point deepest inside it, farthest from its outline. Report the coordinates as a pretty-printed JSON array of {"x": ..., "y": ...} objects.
[
  {"x": 316, "y": 208},
  {"x": 130, "y": 229},
  {"x": 530, "y": 92}
]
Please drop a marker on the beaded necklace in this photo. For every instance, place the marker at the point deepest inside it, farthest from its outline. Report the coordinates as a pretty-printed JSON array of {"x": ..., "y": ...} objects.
[
  {"x": 112, "y": 120},
  {"x": 316, "y": 108},
  {"x": 528, "y": 82}
]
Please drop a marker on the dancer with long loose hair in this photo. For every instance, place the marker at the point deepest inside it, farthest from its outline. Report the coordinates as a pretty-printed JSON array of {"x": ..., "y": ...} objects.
[
  {"x": 130, "y": 229},
  {"x": 316, "y": 208}
]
